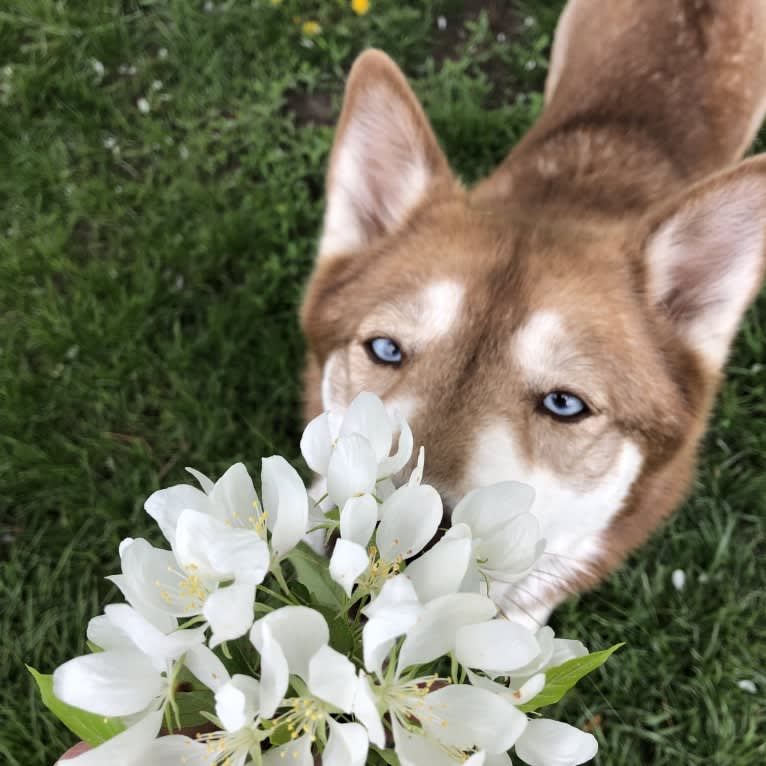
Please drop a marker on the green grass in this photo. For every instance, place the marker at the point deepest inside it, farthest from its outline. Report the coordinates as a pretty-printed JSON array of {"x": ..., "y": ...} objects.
[{"x": 151, "y": 266}]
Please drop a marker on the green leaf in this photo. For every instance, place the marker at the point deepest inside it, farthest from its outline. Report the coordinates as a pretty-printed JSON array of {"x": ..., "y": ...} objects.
[
  {"x": 191, "y": 705},
  {"x": 311, "y": 570},
  {"x": 93, "y": 729},
  {"x": 559, "y": 680},
  {"x": 386, "y": 756}
]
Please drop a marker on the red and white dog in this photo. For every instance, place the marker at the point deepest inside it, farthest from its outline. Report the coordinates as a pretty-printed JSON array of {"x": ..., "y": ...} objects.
[{"x": 565, "y": 322}]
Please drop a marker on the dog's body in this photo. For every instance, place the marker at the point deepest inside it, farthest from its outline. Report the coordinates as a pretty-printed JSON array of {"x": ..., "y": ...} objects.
[{"x": 590, "y": 267}]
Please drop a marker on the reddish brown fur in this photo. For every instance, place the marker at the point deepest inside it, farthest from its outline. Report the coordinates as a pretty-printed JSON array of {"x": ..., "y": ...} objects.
[{"x": 645, "y": 98}]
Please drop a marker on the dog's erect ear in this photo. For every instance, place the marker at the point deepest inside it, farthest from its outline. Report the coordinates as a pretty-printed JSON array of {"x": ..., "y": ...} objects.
[
  {"x": 705, "y": 257},
  {"x": 384, "y": 159}
]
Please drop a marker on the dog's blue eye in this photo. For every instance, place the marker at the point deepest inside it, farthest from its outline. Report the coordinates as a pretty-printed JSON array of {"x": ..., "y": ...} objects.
[
  {"x": 384, "y": 351},
  {"x": 564, "y": 405}
]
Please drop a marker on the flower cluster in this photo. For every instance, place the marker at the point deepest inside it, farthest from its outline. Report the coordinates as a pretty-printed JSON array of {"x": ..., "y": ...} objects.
[{"x": 383, "y": 654}]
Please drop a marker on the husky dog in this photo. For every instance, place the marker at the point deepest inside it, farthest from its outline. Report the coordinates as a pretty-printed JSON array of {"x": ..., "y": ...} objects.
[{"x": 565, "y": 322}]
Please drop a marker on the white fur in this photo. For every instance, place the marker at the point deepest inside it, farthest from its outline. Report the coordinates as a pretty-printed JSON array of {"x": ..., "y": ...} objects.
[
  {"x": 571, "y": 521},
  {"x": 379, "y": 170},
  {"x": 439, "y": 307},
  {"x": 725, "y": 220},
  {"x": 535, "y": 345}
]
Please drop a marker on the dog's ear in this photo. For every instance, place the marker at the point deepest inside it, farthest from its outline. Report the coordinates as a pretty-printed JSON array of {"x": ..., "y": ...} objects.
[
  {"x": 384, "y": 159},
  {"x": 705, "y": 257}
]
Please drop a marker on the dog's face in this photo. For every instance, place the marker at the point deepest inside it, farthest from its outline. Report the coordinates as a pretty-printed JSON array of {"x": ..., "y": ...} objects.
[{"x": 518, "y": 345}]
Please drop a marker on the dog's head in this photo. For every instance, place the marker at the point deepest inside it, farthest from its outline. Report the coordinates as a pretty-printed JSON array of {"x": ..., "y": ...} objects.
[{"x": 569, "y": 352}]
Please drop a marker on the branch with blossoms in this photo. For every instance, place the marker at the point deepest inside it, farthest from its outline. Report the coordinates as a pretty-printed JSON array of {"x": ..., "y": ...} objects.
[{"x": 382, "y": 654}]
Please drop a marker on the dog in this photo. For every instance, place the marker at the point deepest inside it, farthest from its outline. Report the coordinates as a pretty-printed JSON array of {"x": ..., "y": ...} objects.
[{"x": 565, "y": 322}]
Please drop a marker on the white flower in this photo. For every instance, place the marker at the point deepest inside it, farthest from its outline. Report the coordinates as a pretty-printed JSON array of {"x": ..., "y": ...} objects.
[
  {"x": 506, "y": 539},
  {"x": 678, "y": 578},
  {"x": 552, "y": 743},
  {"x": 143, "y": 105},
  {"x": 353, "y": 450},
  {"x": 131, "y": 674},
  {"x": 129, "y": 748}
]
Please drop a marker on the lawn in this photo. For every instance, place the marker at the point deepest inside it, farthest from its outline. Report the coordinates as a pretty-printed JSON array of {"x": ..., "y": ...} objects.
[{"x": 160, "y": 197}]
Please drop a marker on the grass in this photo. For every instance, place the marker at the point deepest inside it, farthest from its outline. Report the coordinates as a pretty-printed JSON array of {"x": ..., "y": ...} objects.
[{"x": 151, "y": 266}]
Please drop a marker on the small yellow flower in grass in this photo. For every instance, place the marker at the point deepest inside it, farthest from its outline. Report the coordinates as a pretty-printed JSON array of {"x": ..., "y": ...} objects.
[
  {"x": 311, "y": 28},
  {"x": 360, "y": 7}
]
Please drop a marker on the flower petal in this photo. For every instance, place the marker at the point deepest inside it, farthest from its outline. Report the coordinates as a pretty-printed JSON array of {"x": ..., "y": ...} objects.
[
  {"x": 409, "y": 519},
  {"x": 296, "y": 753},
  {"x": 468, "y": 718},
  {"x": 352, "y": 469},
  {"x": 390, "y": 615},
  {"x": 442, "y": 569},
  {"x": 347, "y": 746},
  {"x": 316, "y": 444},
  {"x": 233, "y": 498},
  {"x": 149, "y": 639},
  {"x": 366, "y": 712},
  {"x": 512, "y": 549},
  {"x": 128, "y": 748},
  {"x": 367, "y": 416},
  {"x": 552, "y": 743},
  {"x": 286, "y": 502},
  {"x": 437, "y": 625},
  {"x": 174, "y": 750},
  {"x": 358, "y": 519},
  {"x": 274, "y": 673},
  {"x": 205, "y": 483},
  {"x": 298, "y": 630},
  {"x": 417, "y": 750},
  {"x": 497, "y": 647},
  {"x": 106, "y": 635},
  {"x": 393, "y": 464},
  {"x": 206, "y": 667},
  {"x": 108, "y": 683},
  {"x": 347, "y": 563},
  {"x": 166, "y": 505},
  {"x": 488, "y": 508},
  {"x": 230, "y": 612},
  {"x": 332, "y": 677},
  {"x": 237, "y": 702}
]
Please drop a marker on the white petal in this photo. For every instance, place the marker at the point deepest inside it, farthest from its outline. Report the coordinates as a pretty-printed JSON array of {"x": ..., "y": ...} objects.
[
  {"x": 106, "y": 635},
  {"x": 488, "y": 508},
  {"x": 347, "y": 745},
  {"x": 498, "y": 759},
  {"x": 174, "y": 750},
  {"x": 367, "y": 416},
  {"x": 206, "y": 483},
  {"x": 391, "y": 465},
  {"x": 436, "y": 628},
  {"x": 286, "y": 502},
  {"x": 298, "y": 630},
  {"x": 206, "y": 667},
  {"x": 417, "y": 750},
  {"x": 358, "y": 519},
  {"x": 128, "y": 748},
  {"x": 552, "y": 743},
  {"x": 416, "y": 477},
  {"x": 152, "y": 580},
  {"x": 274, "y": 673},
  {"x": 442, "y": 569},
  {"x": 295, "y": 753},
  {"x": 390, "y": 615},
  {"x": 332, "y": 677},
  {"x": 316, "y": 444},
  {"x": 237, "y": 702},
  {"x": 497, "y": 647},
  {"x": 166, "y": 505},
  {"x": 409, "y": 519},
  {"x": 347, "y": 563},
  {"x": 149, "y": 639},
  {"x": 528, "y": 690},
  {"x": 233, "y": 498},
  {"x": 564, "y": 650},
  {"x": 512, "y": 549},
  {"x": 470, "y": 718},
  {"x": 352, "y": 469},
  {"x": 365, "y": 710},
  {"x": 108, "y": 683},
  {"x": 230, "y": 612},
  {"x": 195, "y": 533}
]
